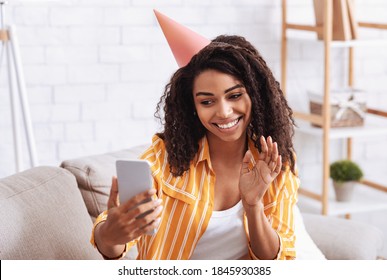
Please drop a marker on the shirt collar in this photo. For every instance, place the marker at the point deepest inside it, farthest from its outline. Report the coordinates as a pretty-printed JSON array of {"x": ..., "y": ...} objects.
[{"x": 203, "y": 153}]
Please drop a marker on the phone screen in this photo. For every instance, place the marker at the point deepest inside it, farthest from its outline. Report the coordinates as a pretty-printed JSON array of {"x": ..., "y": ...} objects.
[{"x": 134, "y": 177}]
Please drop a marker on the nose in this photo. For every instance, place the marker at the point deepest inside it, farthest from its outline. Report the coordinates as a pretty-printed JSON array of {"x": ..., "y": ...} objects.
[{"x": 224, "y": 110}]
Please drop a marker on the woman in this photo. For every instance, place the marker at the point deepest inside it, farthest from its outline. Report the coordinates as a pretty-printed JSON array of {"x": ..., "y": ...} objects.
[{"x": 223, "y": 168}]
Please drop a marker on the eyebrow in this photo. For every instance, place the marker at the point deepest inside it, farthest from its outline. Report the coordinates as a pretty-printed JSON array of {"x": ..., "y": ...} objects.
[
  {"x": 234, "y": 87},
  {"x": 226, "y": 91}
]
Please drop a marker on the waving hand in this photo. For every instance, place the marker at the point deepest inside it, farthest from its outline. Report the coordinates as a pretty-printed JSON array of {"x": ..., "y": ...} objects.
[{"x": 254, "y": 182}]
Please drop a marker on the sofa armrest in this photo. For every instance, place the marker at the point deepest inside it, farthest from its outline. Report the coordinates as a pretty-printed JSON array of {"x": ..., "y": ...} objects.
[
  {"x": 341, "y": 239},
  {"x": 43, "y": 217}
]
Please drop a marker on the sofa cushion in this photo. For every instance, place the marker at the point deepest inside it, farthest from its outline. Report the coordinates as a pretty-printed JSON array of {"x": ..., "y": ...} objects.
[
  {"x": 43, "y": 216},
  {"x": 341, "y": 239},
  {"x": 94, "y": 176}
]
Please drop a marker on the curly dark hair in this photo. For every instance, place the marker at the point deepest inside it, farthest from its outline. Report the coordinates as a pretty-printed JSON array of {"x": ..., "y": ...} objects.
[{"x": 232, "y": 55}]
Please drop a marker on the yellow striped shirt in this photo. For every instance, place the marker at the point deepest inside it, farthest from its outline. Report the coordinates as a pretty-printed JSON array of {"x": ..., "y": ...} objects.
[{"x": 188, "y": 203}]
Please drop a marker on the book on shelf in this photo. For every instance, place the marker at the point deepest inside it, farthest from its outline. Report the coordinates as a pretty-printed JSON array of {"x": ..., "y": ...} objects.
[
  {"x": 344, "y": 25},
  {"x": 352, "y": 20}
]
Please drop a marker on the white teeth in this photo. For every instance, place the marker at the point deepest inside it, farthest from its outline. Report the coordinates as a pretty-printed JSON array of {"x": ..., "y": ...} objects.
[{"x": 228, "y": 125}]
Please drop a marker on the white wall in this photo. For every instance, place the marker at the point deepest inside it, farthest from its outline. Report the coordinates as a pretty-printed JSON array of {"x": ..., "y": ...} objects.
[{"x": 95, "y": 70}]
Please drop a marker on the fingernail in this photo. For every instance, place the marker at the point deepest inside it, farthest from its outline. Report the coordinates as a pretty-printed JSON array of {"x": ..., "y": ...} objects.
[
  {"x": 158, "y": 201},
  {"x": 152, "y": 191},
  {"x": 157, "y": 221},
  {"x": 159, "y": 209}
]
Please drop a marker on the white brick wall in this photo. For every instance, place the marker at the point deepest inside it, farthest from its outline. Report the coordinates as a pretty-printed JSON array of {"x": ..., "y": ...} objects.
[
  {"x": 95, "y": 70},
  {"x": 45, "y": 74},
  {"x": 71, "y": 54}
]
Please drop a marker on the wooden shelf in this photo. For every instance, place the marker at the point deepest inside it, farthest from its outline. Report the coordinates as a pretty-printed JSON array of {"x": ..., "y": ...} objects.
[
  {"x": 369, "y": 129},
  {"x": 364, "y": 200},
  {"x": 342, "y": 44}
]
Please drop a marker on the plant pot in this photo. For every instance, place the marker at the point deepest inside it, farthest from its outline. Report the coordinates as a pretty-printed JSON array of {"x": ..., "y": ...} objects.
[{"x": 344, "y": 190}]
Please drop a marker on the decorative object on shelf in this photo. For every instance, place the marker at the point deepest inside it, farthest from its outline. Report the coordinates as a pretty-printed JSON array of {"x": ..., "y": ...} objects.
[
  {"x": 353, "y": 23},
  {"x": 345, "y": 174},
  {"x": 344, "y": 23},
  {"x": 348, "y": 107}
]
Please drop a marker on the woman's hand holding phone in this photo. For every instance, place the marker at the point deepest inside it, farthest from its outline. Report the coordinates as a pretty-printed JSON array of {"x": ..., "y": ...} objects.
[{"x": 127, "y": 221}]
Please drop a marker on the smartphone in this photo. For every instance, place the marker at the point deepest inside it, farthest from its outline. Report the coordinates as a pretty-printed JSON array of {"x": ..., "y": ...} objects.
[{"x": 134, "y": 177}]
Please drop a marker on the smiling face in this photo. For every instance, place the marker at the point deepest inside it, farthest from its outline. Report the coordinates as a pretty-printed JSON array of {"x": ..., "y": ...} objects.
[{"x": 222, "y": 105}]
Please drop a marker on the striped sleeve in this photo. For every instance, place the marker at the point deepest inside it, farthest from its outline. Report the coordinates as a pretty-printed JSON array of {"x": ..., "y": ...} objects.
[
  {"x": 281, "y": 218},
  {"x": 101, "y": 218}
]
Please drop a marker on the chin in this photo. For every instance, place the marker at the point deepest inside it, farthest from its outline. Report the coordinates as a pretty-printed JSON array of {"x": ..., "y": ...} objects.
[{"x": 226, "y": 138}]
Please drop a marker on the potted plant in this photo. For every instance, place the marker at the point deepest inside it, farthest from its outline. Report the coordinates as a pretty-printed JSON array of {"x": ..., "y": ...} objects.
[{"x": 345, "y": 174}]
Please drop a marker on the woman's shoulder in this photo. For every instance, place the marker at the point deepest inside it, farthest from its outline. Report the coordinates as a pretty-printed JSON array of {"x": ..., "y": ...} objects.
[
  {"x": 156, "y": 147},
  {"x": 158, "y": 139}
]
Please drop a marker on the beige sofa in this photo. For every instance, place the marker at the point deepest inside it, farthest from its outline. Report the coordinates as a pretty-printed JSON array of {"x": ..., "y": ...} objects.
[{"x": 47, "y": 213}]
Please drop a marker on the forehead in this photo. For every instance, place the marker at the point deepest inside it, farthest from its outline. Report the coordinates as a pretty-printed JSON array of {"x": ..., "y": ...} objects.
[{"x": 214, "y": 80}]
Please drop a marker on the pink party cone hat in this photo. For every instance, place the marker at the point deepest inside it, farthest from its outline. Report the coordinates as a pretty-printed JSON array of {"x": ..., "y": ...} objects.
[{"x": 183, "y": 42}]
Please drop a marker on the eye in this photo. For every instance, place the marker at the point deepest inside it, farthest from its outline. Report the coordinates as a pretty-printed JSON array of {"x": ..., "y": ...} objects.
[
  {"x": 206, "y": 102},
  {"x": 235, "y": 95}
]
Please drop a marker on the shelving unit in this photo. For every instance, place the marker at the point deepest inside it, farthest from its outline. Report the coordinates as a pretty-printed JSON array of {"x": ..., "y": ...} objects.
[{"x": 361, "y": 202}]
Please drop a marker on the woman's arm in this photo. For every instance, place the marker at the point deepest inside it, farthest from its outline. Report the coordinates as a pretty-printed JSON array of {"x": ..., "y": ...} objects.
[
  {"x": 264, "y": 240},
  {"x": 108, "y": 251}
]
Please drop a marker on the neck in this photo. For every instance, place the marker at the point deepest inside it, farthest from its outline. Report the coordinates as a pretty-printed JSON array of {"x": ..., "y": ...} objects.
[{"x": 234, "y": 150}]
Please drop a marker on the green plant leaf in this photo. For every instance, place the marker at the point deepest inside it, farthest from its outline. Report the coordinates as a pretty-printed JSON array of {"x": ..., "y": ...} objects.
[{"x": 345, "y": 170}]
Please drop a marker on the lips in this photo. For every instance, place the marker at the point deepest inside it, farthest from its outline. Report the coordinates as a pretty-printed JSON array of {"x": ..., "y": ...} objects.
[{"x": 229, "y": 124}]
